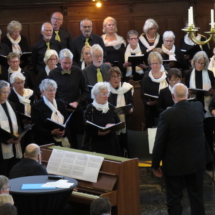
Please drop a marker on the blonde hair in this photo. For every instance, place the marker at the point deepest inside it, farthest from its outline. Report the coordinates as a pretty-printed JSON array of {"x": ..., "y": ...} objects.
[
  {"x": 155, "y": 55},
  {"x": 6, "y": 198},
  {"x": 82, "y": 51},
  {"x": 105, "y": 22},
  {"x": 48, "y": 54}
]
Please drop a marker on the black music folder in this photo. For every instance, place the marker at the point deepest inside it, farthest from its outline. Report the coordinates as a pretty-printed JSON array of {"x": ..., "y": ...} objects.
[
  {"x": 192, "y": 51},
  {"x": 24, "y": 56},
  {"x": 8, "y": 135},
  {"x": 124, "y": 109},
  {"x": 55, "y": 125},
  {"x": 199, "y": 91},
  {"x": 23, "y": 116},
  {"x": 150, "y": 97},
  {"x": 115, "y": 127}
]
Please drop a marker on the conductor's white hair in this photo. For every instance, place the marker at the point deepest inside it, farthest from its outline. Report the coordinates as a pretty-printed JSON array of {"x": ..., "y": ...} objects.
[
  {"x": 16, "y": 75},
  {"x": 180, "y": 90},
  {"x": 168, "y": 34},
  {"x": 149, "y": 23},
  {"x": 65, "y": 53},
  {"x": 96, "y": 47},
  {"x": 98, "y": 87}
]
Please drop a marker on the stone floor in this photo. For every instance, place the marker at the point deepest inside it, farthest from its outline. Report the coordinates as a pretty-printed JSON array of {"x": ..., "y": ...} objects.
[{"x": 152, "y": 195}]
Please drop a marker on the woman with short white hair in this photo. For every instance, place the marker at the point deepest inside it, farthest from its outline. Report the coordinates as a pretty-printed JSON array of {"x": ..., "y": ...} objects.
[
  {"x": 114, "y": 44},
  {"x": 173, "y": 55},
  {"x": 54, "y": 109},
  {"x": 150, "y": 39},
  {"x": 51, "y": 60},
  {"x": 201, "y": 78},
  {"x": 101, "y": 113},
  {"x": 10, "y": 149},
  {"x": 16, "y": 42}
]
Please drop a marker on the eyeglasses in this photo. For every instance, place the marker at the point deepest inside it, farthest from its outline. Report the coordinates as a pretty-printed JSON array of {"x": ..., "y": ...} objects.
[
  {"x": 6, "y": 92},
  {"x": 155, "y": 64},
  {"x": 98, "y": 56},
  {"x": 116, "y": 77},
  {"x": 56, "y": 19},
  {"x": 14, "y": 61},
  {"x": 85, "y": 27},
  {"x": 133, "y": 39},
  {"x": 52, "y": 59},
  {"x": 51, "y": 91},
  {"x": 104, "y": 94},
  {"x": 19, "y": 83},
  {"x": 169, "y": 41},
  {"x": 6, "y": 188}
]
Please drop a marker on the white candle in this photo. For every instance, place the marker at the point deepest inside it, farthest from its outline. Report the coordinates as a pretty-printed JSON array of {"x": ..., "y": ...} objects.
[
  {"x": 191, "y": 15},
  {"x": 212, "y": 18}
]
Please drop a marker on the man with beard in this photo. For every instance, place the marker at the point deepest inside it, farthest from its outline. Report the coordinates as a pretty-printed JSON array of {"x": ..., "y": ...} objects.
[
  {"x": 29, "y": 165},
  {"x": 42, "y": 45},
  {"x": 86, "y": 38}
]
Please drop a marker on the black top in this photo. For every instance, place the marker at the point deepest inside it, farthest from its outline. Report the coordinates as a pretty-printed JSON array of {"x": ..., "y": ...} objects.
[
  {"x": 65, "y": 38},
  {"x": 71, "y": 87},
  {"x": 38, "y": 53},
  {"x": 27, "y": 167},
  {"x": 181, "y": 62},
  {"x": 180, "y": 141},
  {"x": 198, "y": 80},
  {"x": 29, "y": 83},
  {"x": 143, "y": 48},
  {"x": 23, "y": 43},
  {"x": 107, "y": 144},
  {"x": 90, "y": 73},
  {"x": 165, "y": 99},
  {"x": 39, "y": 113},
  {"x": 79, "y": 42}
]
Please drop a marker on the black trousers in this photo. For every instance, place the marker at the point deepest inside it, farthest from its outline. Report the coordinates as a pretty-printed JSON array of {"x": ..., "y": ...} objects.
[{"x": 174, "y": 193}]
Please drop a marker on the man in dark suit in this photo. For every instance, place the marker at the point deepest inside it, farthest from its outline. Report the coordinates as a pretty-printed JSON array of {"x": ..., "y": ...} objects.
[
  {"x": 60, "y": 34},
  {"x": 180, "y": 145},
  {"x": 86, "y": 38},
  {"x": 29, "y": 165}
]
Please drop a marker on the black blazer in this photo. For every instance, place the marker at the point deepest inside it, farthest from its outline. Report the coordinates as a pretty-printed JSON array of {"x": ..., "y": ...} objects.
[
  {"x": 39, "y": 113},
  {"x": 23, "y": 43},
  {"x": 165, "y": 99},
  {"x": 180, "y": 141}
]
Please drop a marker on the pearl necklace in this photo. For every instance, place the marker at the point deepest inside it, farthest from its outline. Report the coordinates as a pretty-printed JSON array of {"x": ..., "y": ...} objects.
[{"x": 150, "y": 39}]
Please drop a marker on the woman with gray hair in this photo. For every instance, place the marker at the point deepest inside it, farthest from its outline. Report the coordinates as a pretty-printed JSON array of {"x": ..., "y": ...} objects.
[
  {"x": 102, "y": 113},
  {"x": 51, "y": 61},
  {"x": 16, "y": 42},
  {"x": 54, "y": 109},
  {"x": 10, "y": 150},
  {"x": 150, "y": 39},
  {"x": 172, "y": 54},
  {"x": 114, "y": 44},
  {"x": 203, "y": 79}
]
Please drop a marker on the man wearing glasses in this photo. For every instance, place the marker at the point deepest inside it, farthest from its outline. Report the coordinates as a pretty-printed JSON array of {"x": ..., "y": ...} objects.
[
  {"x": 86, "y": 38},
  {"x": 60, "y": 34}
]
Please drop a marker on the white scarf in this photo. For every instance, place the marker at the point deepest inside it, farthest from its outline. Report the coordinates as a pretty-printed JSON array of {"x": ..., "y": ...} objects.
[
  {"x": 7, "y": 149},
  {"x": 171, "y": 52},
  {"x": 211, "y": 65},
  {"x": 128, "y": 52},
  {"x": 115, "y": 43},
  {"x": 27, "y": 93},
  {"x": 206, "y": 85},
  {"x": 12, "y": 71},
  {"x": 104, "y": 108},
  {"x": 83, "y": 65},
  {"x": 161, "y": 80},
  {"x": 146, "y": 44},
  {"x": 170, "y": 88},
  {"x": 57, "y": 117},
  {"x": 15, "y": 44},
  {"x": 120, "y": 102},
  {"x": 48, "y": 70}
]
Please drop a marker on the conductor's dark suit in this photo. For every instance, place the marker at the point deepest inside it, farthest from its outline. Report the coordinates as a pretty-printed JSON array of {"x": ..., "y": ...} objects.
[{"x": 180, "y": 144}]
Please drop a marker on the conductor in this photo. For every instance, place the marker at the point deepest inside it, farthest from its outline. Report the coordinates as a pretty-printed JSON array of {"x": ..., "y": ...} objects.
[{"x": 180, "y": 145}]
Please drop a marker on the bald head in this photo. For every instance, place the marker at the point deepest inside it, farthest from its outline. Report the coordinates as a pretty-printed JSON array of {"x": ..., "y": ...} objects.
[
  {"x": 179, "y": 92},
  {"x": 47, "y": 31},
  {"x": 32, "y": 151},
  {"x": 56, "y": 20}
]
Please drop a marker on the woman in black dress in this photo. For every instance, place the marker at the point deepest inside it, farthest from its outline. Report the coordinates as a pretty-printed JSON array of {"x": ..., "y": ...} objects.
[
  {"x": 10, "y": 150},
  {"x": 202, "y": 78},
  {"x": 121, "y": 95},
  {"x": 151, "y": 84},
  {"x": 22, "y": 98},
  {"x": 101, "y": 113},
  {"x": 150, "y": 39},
  {"x": 49, "y": 107},
  {"x": 114, "y": 44}
]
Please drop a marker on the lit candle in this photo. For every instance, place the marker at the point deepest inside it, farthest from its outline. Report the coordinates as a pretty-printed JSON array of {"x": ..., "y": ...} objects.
[
  {"x": 191, "y": 15},
  {"x": 212, "y": 18}
]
